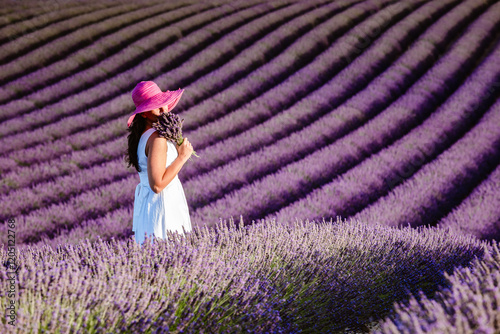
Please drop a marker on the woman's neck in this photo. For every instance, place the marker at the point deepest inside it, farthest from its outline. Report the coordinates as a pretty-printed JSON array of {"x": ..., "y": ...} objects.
[{"x": 146, "y": 128}]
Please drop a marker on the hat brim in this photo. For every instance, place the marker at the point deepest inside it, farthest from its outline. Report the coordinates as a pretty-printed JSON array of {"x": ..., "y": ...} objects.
[{"x": 167, "y": 99}]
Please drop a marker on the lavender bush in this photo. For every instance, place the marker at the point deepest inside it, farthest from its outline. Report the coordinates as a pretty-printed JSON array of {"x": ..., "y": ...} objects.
[
  {"x": 479, "y": 213},
  {"x": 169, "y": 126},
  {"x": 470, "y": 304},
  {"x": 265, "y": 277}
]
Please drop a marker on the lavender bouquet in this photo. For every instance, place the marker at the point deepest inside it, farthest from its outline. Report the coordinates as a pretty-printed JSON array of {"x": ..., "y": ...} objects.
[{"x": 169, "y": 126}]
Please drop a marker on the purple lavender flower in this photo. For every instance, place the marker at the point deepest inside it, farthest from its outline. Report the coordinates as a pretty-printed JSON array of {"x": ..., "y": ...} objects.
[{"x": 169, "y": 126}]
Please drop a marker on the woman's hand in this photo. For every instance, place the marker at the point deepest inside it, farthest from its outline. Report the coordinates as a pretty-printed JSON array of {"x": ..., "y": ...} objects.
[{"x": 185, "y": 149}]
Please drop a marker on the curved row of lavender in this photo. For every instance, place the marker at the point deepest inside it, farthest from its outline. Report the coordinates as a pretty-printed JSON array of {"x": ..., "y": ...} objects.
[
  {"x": 474, "y": 291},
  {"x": 382, "y": 110}
]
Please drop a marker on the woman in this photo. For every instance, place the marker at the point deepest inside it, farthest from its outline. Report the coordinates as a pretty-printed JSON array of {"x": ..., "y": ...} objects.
[{"x": 160, "y": 203}]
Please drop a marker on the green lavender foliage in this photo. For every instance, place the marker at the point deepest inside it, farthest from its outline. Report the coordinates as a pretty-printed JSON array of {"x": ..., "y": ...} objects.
[
  {"x": 471, "y": 303},
  {"x": 300, "y": 277}
]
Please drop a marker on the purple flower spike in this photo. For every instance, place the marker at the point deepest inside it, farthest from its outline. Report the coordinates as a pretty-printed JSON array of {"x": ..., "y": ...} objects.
[{"x": 169, "y": 126}]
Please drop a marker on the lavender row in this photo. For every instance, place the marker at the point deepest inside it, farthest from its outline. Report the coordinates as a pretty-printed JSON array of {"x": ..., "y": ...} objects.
[
  {"x": 268, "y": 92},
  {"x": 175, "y": 31},
  {"x": 35, "y": 154},
  {"x": 46, "y": 161},
  {"x": 468, "y": 304},
  {"x": 438, "y": 186},
  {"x": 23, "y": 155},
  {"x": 264, "y": 270},
  {"x": 13, "y": 15},
  {"x": 115, "y": 224},
  {"x": 297, "y": 179},
  {"x": 74, "y": 180},
  {"x": 36, "y": 88},
  {"x": 260, "y": 52},
  {"x": 348, "y": 192},
  {"x": 86, "y": 205},
  {"x": 479, "y": 213},
  {"x": 376, "y": 176},
  {"x": 135, "y": 50},
  {"x": 87, "y": 278},
  {"x": 224, "y": 47},
  {"x": 13, "y": 31},
  {"x": 26, "y": 175},
  {"x": 326, "y": 129},
  {"x": 101, "y": 92},
  {"x": 87, "y": 26},
  {"x": 330, "y": 95},
  {"x": 121, "y": 102},
  {"x": 70, "y": 163}
]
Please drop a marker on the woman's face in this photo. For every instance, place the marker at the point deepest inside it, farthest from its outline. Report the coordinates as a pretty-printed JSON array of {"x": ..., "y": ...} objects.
[{"x": 153, "y": 115}]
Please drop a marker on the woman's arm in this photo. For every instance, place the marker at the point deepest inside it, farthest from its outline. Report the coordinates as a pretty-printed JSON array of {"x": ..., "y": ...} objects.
[{"x": 159, "y": 176}]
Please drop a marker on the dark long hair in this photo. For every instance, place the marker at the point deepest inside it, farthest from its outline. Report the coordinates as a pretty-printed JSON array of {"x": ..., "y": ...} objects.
[{"x": 135, "y": 132}]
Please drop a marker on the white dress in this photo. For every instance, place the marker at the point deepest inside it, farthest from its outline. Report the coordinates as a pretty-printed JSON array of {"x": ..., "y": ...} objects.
[{"x": 154, "y": 214}]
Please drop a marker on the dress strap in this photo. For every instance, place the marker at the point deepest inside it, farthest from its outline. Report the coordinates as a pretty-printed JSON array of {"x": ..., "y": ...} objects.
[
  {"x": 142, "y": 143},
  {"x": 147, "y": 133}
]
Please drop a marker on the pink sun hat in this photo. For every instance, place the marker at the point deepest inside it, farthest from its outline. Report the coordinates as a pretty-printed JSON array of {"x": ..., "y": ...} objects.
[{"x": 148, "y": 96}]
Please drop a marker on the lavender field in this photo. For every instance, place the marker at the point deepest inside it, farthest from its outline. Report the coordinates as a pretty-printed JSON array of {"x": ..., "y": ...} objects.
[{"x": 356, "y": 143}]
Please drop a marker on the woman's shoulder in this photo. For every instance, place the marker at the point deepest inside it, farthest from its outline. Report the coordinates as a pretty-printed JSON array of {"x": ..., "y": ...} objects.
[
  {"x": 155, "y": 135},
  {"x": 155, "y": 140},
  {"x": 150, "y": 130}
]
